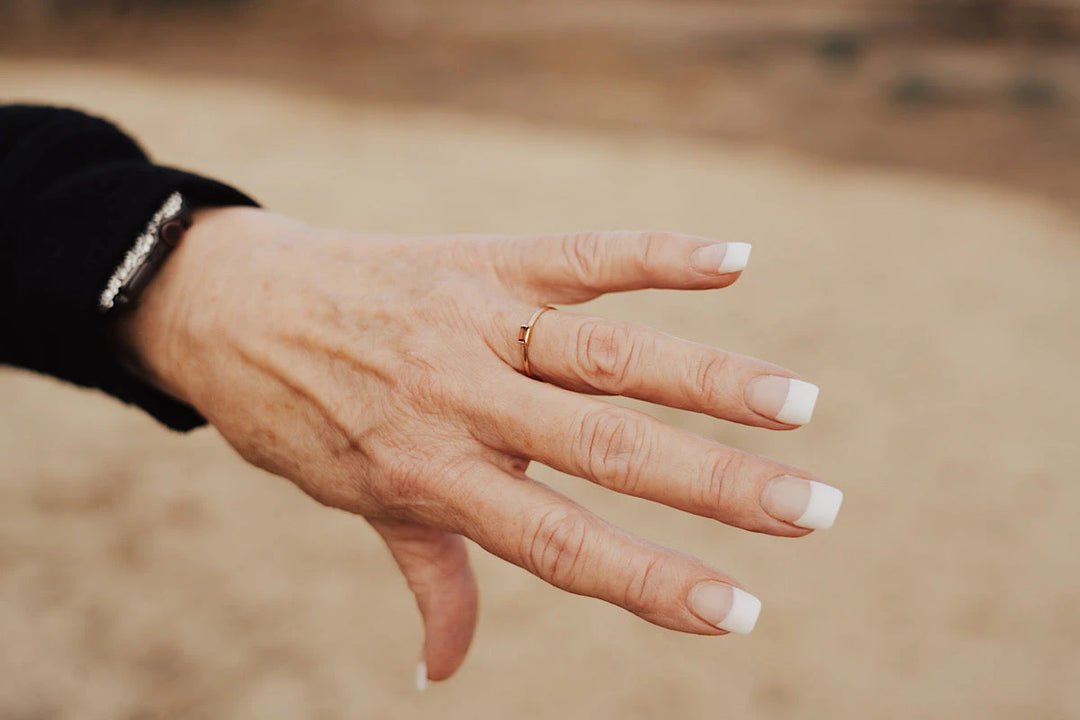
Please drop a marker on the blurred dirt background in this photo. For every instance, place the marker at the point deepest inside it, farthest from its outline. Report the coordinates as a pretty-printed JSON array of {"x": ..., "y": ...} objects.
[{"x": 908, "y": 174}]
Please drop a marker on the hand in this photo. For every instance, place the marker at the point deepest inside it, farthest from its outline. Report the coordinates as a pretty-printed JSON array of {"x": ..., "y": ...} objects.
[{"x": 383, "y": 376}]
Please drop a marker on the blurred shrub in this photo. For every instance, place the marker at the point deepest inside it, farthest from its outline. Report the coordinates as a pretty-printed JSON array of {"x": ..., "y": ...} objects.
[
  {"x": 916, "y": 88},
  {"x": 1035, "y": 91},
  {"x": 971, "y": 18},
  {"x": 62, "y": 8},
  {"x": 1037, "y": 20},
  {"x": 840, "y": 47}
]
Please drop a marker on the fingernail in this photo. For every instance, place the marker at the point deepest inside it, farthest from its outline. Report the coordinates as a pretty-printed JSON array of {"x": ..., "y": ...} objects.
[
  {"x": 721, "y": 258},
  {"x": 783, "y": 399},
  {"x": 806, "y": 503},
  {"x": 725, "y": 606},
  {"x": 421, "y": 677}
]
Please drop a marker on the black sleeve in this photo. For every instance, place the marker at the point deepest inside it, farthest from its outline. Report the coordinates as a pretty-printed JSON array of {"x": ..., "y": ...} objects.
[{"x": 75, "y": 193}]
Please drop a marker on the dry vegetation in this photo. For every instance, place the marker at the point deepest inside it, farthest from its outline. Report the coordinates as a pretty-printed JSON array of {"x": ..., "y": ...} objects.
[{"x": 989, "y": 88}]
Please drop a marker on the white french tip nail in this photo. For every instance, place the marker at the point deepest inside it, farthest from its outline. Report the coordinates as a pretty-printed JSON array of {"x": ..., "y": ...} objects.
[
  {"x": 799, "y": 404},
  {"x": 825, "y": 502},
  {"x": 743, "y": 615},
  {"x": 736, "y": 257},
  {"x": 421, "y": 677}
]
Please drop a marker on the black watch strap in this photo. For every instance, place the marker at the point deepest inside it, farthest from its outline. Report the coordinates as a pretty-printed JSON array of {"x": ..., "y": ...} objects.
[{"x": 145, "y": 258}]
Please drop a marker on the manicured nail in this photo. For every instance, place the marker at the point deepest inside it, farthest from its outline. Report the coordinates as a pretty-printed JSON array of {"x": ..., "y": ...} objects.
[
  {"x": 722, "y": 258},
  {"x": 783, "y": 399},
  {"x": 806, "y": 503},
  {"x": 725, "y": 606},
  {"x": 421, "y": 677}
]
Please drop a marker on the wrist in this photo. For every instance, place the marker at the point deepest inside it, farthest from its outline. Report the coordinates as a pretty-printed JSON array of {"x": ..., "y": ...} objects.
[{"x": 154, "y": 337}]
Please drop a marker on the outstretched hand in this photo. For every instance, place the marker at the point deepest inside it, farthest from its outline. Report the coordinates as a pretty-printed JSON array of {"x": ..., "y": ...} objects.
[{"x": 384, "y": 376}]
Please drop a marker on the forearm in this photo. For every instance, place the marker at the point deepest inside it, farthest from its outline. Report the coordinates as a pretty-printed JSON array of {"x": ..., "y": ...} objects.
[{"x": 75, "y": 192}]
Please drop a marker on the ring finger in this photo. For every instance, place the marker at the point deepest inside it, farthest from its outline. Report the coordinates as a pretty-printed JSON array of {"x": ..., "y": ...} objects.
[{"x": 596, "y": 355}]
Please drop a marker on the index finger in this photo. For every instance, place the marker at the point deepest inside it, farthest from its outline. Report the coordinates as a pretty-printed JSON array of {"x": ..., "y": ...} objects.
[{"x": 576, "y": 267}]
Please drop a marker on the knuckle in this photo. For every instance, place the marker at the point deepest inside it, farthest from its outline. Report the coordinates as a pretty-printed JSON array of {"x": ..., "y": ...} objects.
[
  {"x": 607, "y": 352},
  {"x": 554, "y": 545},
  {"x": 650, "y": 250},
  {"x": 414, "y": 481},
  {"x": 642, "y": 591},
  {"x": 719, "y": 480},
  {"x": 580, "y": 254},
  {"x": 708, "y": 378},
  {"x": 614, "y": 446}
]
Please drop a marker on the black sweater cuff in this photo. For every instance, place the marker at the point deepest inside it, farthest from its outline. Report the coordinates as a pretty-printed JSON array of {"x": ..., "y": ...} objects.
[{"x": 75, "y": 193}]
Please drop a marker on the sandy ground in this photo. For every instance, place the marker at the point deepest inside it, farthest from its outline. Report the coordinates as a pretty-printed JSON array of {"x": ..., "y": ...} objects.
[
  {"x": 984, "y": 100},
  {"x": 145, "y": 574}
]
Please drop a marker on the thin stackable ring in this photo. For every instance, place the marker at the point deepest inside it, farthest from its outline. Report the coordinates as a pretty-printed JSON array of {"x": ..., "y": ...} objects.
[{"x": 525, "y": 335}]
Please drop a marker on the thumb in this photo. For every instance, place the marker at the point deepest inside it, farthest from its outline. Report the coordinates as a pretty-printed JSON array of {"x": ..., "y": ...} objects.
[{"x": 436, "y": 567}]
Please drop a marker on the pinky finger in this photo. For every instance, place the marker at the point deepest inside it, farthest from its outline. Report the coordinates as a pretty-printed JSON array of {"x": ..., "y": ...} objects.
[{"x": 529, "y": 524}]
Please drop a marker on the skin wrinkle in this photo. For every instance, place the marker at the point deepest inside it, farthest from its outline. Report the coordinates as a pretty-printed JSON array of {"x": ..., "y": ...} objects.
[
  {"x": 715, "y": 472},
  {"x": 708, "y": 378},
  {"x": 556, "y": 543},
  {"x": 638, "y": 589},
  {"x": 415, "y": 475},
  {"x": 618, "y": 447},
  {"x": 605, "y": 353},
  {"x": 648, "y": 258},
  {"x": 482, "y": 425},
  {"x": 581, "y": 262}
]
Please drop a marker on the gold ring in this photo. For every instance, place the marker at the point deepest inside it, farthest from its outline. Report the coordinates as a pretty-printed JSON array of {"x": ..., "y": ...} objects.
[{"x": 525, "y": 335}]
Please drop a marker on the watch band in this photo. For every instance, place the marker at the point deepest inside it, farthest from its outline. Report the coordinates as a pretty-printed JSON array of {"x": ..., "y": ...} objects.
[{"x": 162, "y": 234}]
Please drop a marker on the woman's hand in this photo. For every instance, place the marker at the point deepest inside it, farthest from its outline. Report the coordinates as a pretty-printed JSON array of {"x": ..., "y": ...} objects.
[{"x": 383, "y": 376}]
